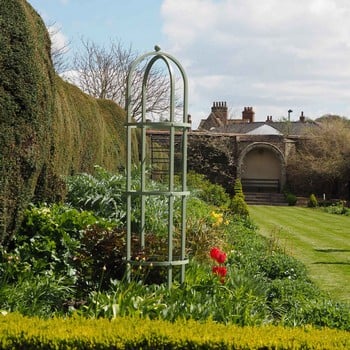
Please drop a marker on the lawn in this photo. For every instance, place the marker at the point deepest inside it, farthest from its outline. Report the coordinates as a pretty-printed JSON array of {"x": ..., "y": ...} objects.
[{"x": 318, "y": 239}]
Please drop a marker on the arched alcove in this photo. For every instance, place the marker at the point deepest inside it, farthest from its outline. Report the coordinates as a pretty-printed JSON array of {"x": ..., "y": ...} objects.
[{"x": 262, "y": 168}]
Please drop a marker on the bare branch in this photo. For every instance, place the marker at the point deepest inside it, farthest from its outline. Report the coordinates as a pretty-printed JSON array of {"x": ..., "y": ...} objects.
[
  {"x": 323, "y": 158},
  {"x": 103, "y": 74}
]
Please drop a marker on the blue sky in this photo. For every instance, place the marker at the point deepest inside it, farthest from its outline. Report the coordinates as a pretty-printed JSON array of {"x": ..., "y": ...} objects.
[
  {"x": 272, "y": 55},
  {"x": 132, "y": 21}
]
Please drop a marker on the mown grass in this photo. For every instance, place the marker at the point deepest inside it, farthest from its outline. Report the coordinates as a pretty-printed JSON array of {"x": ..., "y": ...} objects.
[{"x": 318, "y": 239}]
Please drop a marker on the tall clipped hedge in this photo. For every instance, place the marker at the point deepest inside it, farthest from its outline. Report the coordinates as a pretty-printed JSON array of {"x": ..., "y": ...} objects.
[{"x": 48, "y": 128}]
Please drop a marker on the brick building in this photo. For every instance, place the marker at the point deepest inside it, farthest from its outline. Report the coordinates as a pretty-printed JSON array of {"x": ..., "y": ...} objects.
[{"x": 256, "y": 152}]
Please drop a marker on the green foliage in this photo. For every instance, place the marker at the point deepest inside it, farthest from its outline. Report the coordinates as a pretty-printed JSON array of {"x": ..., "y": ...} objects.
[
  {"x": 49, "y": 238},
  {"x": 313, "y": 203},
  {"x": 127, "y": 299},
  {"x": 207, "y": 191},
  {"x": 42, "y": 295},
  {"x": 49, "y": 128},
  {"x": 78, "y": 257},
  {"x": 278, "y": 265},
  {"x": 239, "y": 207},
  {"x": 63, "y": 243},
  {"x": 202, "y": 231},
  {"x": 338, "y": 208},
  {"x": 238, "y": 189},
  {"x": 104, "y": 194},
  {"x": 234, "y": 302},
  {"x": 18, "y": 332},
  {"x": 26, "y": 108},
  {"x": 291, "y": 199},
  {"x": 238, "y": 204}
]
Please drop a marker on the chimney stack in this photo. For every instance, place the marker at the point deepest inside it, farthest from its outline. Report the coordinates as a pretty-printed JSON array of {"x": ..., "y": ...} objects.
[
  {"x": 302, "y": 117},
  {"x": 248, "y": 115},
  {"x": 220, "y": 111}
]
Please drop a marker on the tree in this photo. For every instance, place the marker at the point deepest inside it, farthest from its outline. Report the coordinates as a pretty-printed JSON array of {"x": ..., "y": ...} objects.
[
  {"x": 102, "y": 73},
  {"x": 321, "y": 163}
]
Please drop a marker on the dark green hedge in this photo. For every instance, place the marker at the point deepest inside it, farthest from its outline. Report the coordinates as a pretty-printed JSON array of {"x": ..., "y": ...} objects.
[{"x": 48, "y": 128}]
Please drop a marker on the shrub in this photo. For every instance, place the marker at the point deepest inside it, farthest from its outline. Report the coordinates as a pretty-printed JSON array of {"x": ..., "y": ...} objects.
[
  {"x": 338, "y": 208},
  {"x": 99, "y": 259},
  {"x": 279, "y": 266},
  {"x": 238, "y": 205},
  {"x": 104, "y": 194},
  {"x": 61, "y": 241},
  {"x": 207, "y": 191},
  {"x": 291, "y": 199},
  {"x": 48, "y": 239},
  {"x": 101, "y": 193},
  {"x": 313, "y": 203},
  {"x": 18, "y": 332},
  {"x": 238, "y": 189}
]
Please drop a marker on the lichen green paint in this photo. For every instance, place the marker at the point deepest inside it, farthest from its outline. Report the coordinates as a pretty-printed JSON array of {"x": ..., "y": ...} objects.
[{"x": 171, "y": 127}]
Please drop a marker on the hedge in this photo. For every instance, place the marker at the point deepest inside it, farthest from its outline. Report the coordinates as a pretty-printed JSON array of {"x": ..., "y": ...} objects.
[
  {"x": 48, "y": 128},
  {"x": 18, "y": 332}
]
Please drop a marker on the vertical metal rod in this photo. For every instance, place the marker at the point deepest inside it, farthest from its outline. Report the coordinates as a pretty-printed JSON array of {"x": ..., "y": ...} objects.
[
  {"x": 171, "y": 177},
  {"x": 185, "y": 118},
  {"x": 183, "y": 202},
  {"x": 128, "y": 205},
  {"x": 128, "y": 180}
]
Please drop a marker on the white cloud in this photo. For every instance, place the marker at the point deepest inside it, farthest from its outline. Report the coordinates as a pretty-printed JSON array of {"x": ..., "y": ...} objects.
[
  {"x": 59, "y": 41},
  {"x": 268, "y": 54}
]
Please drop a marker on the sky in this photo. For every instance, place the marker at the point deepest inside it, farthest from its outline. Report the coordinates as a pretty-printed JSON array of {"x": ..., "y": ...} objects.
[{"x": 272, "y": 55}]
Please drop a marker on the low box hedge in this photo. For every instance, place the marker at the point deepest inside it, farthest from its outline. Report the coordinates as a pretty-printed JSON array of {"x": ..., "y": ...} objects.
[{"x": 18, "y": 332}]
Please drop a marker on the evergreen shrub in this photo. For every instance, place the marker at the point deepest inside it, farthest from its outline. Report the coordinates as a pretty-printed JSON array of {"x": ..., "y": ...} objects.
[
  {"x": 238, "y": 204},
  {"x": 49, "y": 128},
  {"x": 291, "y": 199},
  {"x": 313, "y": 203}
]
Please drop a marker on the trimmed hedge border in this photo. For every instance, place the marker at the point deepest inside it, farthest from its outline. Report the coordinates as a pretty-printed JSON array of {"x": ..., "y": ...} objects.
[{"x": 18, "y": 332}]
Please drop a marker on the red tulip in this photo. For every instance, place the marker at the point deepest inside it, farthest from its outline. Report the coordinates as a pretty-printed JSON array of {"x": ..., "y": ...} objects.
[
  {"x": 215, "y": 269},
  {"x": 222, "y": 271},
  {"x": 214, "y": 253},
  {"x": 221, "y": 258}
]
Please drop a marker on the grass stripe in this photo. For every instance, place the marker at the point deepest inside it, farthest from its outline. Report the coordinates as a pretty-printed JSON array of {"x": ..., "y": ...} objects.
[{"x": 318, "y": 239}]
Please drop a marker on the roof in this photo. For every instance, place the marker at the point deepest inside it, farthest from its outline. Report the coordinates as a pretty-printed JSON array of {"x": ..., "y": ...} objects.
[
  {"x": 296, "y": 128},
  {"x": 264, "y": 130}
]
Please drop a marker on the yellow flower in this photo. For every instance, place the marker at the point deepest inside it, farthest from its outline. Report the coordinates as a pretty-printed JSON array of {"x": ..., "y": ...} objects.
[{"x": 217, "y": 217}]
